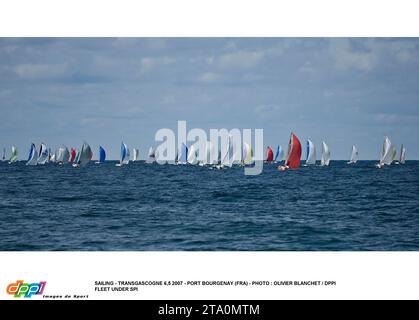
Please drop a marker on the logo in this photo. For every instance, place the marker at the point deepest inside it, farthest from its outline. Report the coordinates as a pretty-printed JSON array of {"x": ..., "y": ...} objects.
[
  {"x": 222, "y": 149},
  {"x": 27, "y": 290}
]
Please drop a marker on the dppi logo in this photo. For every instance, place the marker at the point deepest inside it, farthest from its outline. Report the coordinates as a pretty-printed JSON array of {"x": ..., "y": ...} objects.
[{"x": 27, "y": 290}]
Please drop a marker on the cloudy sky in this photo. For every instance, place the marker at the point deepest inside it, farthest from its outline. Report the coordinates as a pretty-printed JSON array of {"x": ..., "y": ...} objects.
[{"x": 102, "y": 90}]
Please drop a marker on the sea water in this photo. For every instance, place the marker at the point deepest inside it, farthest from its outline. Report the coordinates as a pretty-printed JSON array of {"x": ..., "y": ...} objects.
[{"x": 154, "y": 207}]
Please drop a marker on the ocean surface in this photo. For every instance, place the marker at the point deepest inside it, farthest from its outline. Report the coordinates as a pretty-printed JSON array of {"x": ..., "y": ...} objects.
[{"x": 151, "y": 207}]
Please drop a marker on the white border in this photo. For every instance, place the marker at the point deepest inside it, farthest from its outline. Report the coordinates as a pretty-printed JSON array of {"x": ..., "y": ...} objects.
[
  {"x": 358, "y": 275},
  {"x": 219, "y": 18}
]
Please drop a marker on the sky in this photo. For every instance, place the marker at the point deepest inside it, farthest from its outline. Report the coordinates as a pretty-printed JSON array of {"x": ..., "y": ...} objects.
[{"x": 344, "y": 91}]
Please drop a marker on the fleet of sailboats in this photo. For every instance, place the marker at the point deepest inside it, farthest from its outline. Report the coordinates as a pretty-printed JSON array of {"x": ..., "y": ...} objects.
[{"x": 233, "y": 154}]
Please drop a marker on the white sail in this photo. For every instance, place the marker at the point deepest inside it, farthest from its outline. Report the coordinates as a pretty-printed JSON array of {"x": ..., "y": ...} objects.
[
  {"x": 85, "y": 155},
  {"x": 325, "y": 154},
  {"x": 311, "y": 153},
  {"x": 354, "y": 155},
  {"x": 136, "y": 154},
  {"x": 14, "y": 156},
  {"x": 50, "y": 154},
  {"x": 403, "y": 155},
  {"x": 151, "y": 156},
  {"x": 62, "y": 155},
  {"x": 227, "y": 156},
  {"x": 192, "y": 156},
  {"x": 125, "y": 160},
  {"x": 207, "y": 154},
  {"x": 33, "y": 156},
  {"x": 386, "y": 152},
  {"x": 43, "y": 154},
  {"x": 76, "y": 159},
  {"x": 210, "y": 155},
  {"x": 237, "y": 152},
  {"x": 59, "y": 154},
  {"x": 394, "y": 154},
  {"x": 247, "y": 154}
]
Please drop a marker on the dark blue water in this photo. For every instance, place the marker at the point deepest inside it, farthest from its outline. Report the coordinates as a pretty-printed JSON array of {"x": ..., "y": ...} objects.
[{"x": 152, "y": 207}]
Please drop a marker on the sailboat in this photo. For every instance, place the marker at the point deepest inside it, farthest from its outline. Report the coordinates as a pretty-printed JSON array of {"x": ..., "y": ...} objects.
[
  {"x": 51, "y": 156},
  {"x": 33, "y": 156},
  {"x": 325, "y": 161},
  {"x": 136, "y": 154},
  {"x": 124, "y": 159},
  {"x": 236, "y": 152},
  {"x": 247, "y": 155},
  {"x": 84, "y": 156},
  {"x": 77, "y": 158},
  {"x": 192, "y": 156},
  {"x": 386, "y": 154},
  {"x": 72, "y": 155},
  {"x": 354, "y": 155},
  {"x": 4, "y": 154},
  {"x": 13, "y": 157},
  {"x": 227, "y": 157},
  {"x": 102, "y": 155},
  {"x": 279, "y": 154},
  {"x": 311, "y": 153},
  {"x": 269, "y": 155},
  {"x": 293, "y": 158},
  {"x": 394, "y": 154},
  {"x": 151, "y": 156},
  {"x": 183, "y": 154},
  {"x": 62, "y": 155},
  {"x": 402, "y": 155},
  {"x": 209, "y": 150},
  {"x": 66, "y": 155},
  {"x": 43, "y": 154},
  {"x": 206, "y": 155},
  {"x": 212, "y": 154}
]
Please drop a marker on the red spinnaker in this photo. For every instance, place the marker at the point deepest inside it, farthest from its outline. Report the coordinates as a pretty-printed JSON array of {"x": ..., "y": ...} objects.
[
  {"x": 294, "y": 152},
  {"x": 72, "y": 154},
  {"x": 269, "y": 155}
]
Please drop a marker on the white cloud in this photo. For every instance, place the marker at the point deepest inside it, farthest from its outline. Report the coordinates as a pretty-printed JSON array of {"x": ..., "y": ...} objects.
[{"x": 40, "y": 71}]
